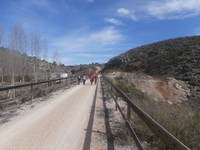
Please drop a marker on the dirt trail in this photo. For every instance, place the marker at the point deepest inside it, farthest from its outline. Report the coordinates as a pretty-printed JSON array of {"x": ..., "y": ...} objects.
[
  {"x": 59, "y": 123},
  {"x": 79, "y": 118}
]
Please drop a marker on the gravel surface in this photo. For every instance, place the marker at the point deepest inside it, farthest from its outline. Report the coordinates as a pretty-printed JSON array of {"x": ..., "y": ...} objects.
[
  {"x": 70, "y": 119},
  {"x": 58, "y": 123}
]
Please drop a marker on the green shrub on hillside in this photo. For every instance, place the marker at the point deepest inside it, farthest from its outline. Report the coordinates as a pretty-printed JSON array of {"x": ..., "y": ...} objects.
[{"x": 194, "y": 82}]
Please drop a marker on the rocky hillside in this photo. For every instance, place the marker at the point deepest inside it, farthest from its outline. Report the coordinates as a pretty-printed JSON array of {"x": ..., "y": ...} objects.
[
  {"x": 170, "y": 69},
  {"x": 179, "y": 58}
]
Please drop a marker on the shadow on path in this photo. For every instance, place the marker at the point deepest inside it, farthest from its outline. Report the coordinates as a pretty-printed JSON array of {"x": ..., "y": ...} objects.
[
  {"x": 110, "y": 137},
  {"x": 87, "y": 141}
]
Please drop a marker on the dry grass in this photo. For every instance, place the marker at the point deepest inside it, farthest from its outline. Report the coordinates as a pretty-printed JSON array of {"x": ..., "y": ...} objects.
[{"x": 180, "y": 120}]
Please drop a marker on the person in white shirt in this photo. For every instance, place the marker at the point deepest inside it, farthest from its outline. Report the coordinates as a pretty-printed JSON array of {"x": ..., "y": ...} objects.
[{"x": 84, "y": 78}]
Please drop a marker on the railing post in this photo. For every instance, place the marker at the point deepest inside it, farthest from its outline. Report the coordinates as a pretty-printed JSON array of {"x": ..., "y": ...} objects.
[
  {"x": 128, "y": 108},
  {"x": 31, "y": 91},
  {"x": 116, "y": 99},
  {"x": 60, "y": 83},
  {"x": 110, "y": 88},
  {"x": 48, "y": 84},
  {"x": 128, "y": 112}
]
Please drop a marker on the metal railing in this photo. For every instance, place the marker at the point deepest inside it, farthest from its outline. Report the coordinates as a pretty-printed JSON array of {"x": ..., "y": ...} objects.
[
  {"x": 172, "y": 142},
  {"x": 33, "y": 87}
]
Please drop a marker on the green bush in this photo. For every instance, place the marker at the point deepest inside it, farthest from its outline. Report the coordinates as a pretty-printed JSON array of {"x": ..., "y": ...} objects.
[{"x": 194, "y": 82}]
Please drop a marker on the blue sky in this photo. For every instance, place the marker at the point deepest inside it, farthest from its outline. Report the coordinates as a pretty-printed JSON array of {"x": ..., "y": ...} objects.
[{"x": 89, "y": 31}]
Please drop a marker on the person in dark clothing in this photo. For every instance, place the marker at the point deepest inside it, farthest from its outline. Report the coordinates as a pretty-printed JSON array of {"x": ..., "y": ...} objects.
[{"x": 79, "y": 79}]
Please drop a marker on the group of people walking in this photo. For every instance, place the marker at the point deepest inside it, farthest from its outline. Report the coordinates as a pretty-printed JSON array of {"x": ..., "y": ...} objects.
[
  {"x": 83, "y": 77},
  {"x": 92, "y": 76}
]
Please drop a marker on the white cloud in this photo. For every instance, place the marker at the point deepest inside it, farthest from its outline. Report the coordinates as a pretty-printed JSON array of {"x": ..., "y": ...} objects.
[
  {"x": 108, "y": 35},
  {"x": 94, "y": 55},
  {"x": 80, "y": 41},
  {"x": 113, "y": 21},
  {"x": 126, "y": 13},
  {"x": 173, "y": 9},
  {"x": 123, "y": 12}
]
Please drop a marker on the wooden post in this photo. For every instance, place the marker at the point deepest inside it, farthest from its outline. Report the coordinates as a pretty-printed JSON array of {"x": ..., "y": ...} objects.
[
  {"x": 128, "y": 108},
  {"x": 31, "y": 91},
  {"x": 48, "y": 85},
  {"x": 116, "y": 99},
  {"x": 128, "y": 112}
]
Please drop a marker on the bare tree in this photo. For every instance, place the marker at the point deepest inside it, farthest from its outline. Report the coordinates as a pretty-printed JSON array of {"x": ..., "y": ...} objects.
[
  {"x": 2, "y": 60},
  {"x": 17, "y": 43},
  {"x": 1, "y": 52},
  {"x": 35, "y": 47},
  {"x": 1, "y": 35},
  {"x": 4, "y": 63},
  {"x": 12, "y": 61},
  {"x": 55, "y": 60},
  {"x": 1, "y": 65},
  {"x": 20, "y": 45},
  {"x": 24, "y": 57},
  {"x": 45, "y": 57},
  {"x": 55, "y": 56}
]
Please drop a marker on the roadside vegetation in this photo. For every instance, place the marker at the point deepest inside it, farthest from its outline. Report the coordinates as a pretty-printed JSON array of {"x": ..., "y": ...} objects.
[{"x": 180, "y": 120}]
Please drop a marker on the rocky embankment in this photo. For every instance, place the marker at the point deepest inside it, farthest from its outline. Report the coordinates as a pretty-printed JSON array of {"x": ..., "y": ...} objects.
[{"x": 169, "y": 89}]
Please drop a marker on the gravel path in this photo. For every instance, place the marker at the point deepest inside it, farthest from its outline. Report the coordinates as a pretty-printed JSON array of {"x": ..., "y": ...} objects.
[
  {"x": 71, "y": 119},
  {"x": 58, "y": 123}
]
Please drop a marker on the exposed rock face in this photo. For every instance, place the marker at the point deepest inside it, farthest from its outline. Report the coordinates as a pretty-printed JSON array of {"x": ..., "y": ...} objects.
[
  {"x": 176, "y": 60},
  {"x": 170, "y": 89}
]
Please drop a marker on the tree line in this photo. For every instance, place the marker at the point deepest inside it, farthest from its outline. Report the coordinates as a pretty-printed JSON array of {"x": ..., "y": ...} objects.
[{"x": 15, "y": 47}]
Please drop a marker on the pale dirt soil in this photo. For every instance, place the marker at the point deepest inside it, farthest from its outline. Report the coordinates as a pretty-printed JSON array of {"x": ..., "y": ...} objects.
[
  {"x": 170, "y": 89},
  {"x": 69, "y": 119}
]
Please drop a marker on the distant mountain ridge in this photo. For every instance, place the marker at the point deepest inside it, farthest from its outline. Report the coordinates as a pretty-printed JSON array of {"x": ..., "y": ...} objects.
[{"x": 179, "y": 58}]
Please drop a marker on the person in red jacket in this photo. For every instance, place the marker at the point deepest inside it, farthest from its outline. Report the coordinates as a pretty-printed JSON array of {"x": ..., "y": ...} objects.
[
  {"x": 95, "y": 78},
  {"x": 91, "y": 76}
]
